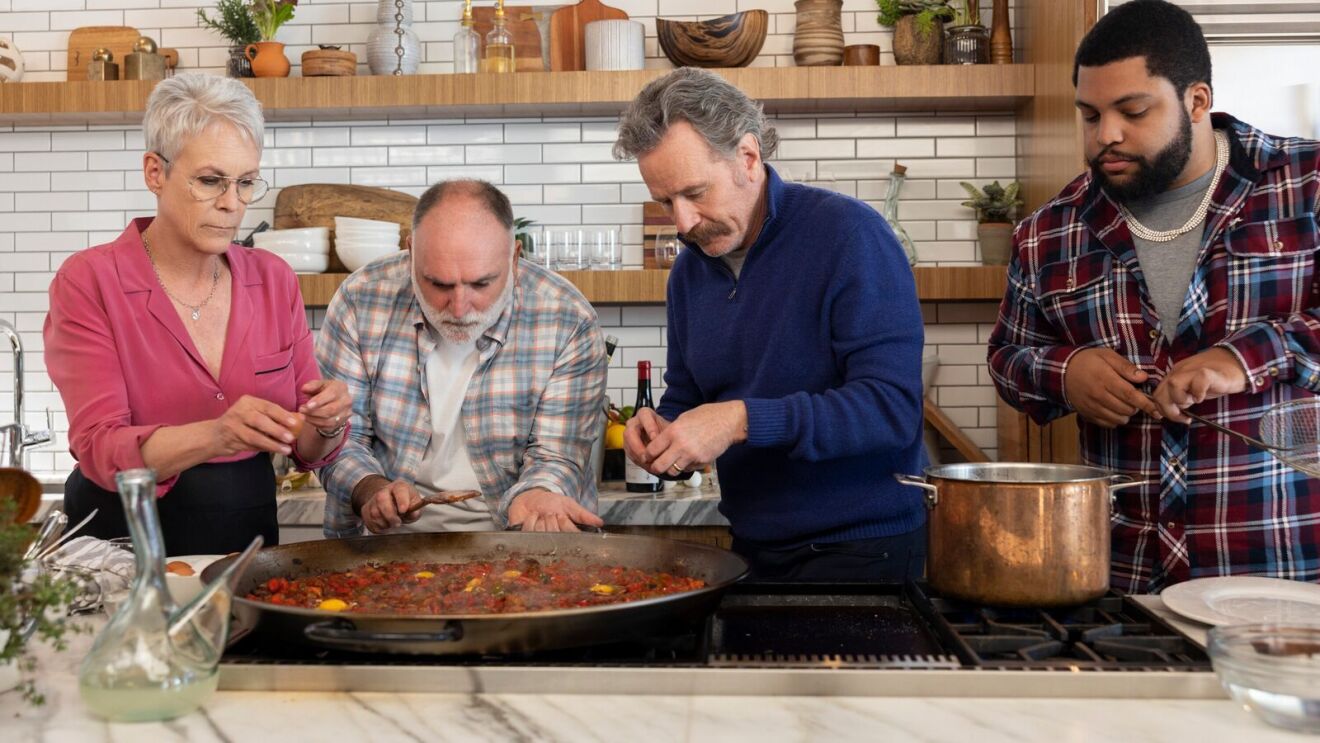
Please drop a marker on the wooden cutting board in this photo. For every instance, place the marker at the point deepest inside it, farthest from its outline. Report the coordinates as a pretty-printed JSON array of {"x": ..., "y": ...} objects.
[
  {"x": 118, "y": 39},
  {"x": 317, "y": 205},
  {"x": 526, "y": 35},
  {"x": 568, "y": 32}
]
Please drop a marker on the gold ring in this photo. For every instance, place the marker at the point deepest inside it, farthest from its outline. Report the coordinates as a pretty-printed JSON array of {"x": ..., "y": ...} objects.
[{"x": 677, "y": 470}]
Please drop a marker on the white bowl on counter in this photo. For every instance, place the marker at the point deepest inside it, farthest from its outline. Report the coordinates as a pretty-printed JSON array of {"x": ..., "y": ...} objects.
[
  {"x": 373, "y": 237},
  {"x": 185, "y": 587},
  {"x": 357, "y": 223},
  {"x": 306, "y": 240},
  {"x": 305, "y": 262},
  {"x": 355, "y": 254}
]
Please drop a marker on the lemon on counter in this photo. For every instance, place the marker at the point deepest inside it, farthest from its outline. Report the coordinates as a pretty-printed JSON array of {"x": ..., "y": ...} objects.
[{"x": 614, "y": 436}]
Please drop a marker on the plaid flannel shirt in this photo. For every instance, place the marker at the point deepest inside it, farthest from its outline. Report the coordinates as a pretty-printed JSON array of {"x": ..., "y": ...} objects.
[
  {"x": 1215, "y": 506},
  {"x": 532, "y": 408}
]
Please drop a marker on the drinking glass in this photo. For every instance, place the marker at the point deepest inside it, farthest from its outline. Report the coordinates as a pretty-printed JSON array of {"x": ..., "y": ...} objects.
[
  {"x": 667, "y": 248},
  {"x": 565, "y": 247},
  {"x": 603, "y": 250}
]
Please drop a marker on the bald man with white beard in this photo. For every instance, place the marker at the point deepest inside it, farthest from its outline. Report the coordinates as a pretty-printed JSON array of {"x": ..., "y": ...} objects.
[{"x": 472, "y": 370}]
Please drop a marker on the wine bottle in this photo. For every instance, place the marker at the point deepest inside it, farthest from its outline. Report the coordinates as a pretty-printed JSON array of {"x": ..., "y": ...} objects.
[{"x": 639, "y": 480}]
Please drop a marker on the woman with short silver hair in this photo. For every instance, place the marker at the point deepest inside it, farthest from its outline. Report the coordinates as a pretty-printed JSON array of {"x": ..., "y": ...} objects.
[{"x": 176, "y": 349}]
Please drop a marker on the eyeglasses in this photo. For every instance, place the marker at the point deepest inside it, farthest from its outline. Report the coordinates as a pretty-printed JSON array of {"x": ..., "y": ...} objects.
[{"x": 211, "y": 187}]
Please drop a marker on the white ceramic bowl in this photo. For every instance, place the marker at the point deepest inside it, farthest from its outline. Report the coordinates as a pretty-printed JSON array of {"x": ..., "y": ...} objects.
[
  {"x": 365, "y": 224},
  {"x": 293, "y": 243},
  {"x": 306, "y": 262},
  {"x": 354, "y": 254},
  {"x": 184, "y": 587},
  {"x": 305, "y": 233},
  {"x": 360, "y": 236}
]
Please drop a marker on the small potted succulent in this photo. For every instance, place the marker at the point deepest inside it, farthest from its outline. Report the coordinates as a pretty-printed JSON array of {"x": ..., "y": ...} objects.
[
  {"x": 267, "y": 55},
  {"x": 233, "y": 21},
  {"x": 968, "y": 42},
  {"x": 918, "y": 28},
  {"x": 995, "y": 206}
]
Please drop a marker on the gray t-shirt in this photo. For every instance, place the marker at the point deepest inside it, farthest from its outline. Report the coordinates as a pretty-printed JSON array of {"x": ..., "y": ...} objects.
[
  {"x": 734, "y": 260},
  {"x": 1168, "y": 266}
]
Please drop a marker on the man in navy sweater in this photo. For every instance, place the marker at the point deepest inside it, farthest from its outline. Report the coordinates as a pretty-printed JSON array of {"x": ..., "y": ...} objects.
[{"x": 795, "y": 341}]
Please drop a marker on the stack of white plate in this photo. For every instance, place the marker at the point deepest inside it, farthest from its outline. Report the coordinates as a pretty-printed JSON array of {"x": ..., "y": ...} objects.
[
  {"x": 361, "y": 241},
  {"x": 306, "y": 249}
]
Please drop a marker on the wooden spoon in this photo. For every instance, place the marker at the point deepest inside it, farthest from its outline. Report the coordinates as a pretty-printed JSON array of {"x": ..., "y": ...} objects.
[{"x": 443, "y": 497}]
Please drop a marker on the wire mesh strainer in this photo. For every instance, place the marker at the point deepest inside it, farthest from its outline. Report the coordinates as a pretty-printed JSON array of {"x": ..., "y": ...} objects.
[{"x": 1291, "y": 431}]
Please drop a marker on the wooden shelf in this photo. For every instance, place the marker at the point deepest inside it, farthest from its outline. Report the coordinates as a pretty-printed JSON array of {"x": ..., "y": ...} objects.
[
  {"x": 781, "y": 89},
  {"x": 934, "y": 284}
]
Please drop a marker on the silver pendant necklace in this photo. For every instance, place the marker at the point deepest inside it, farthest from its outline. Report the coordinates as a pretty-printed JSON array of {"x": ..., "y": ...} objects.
[
  {"x": 1145, "y": 233},
  {"x": 194, "y": 309}
]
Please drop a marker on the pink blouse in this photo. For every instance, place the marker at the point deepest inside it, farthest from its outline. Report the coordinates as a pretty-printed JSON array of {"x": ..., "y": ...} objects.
[{"x": 125, "y": 365}]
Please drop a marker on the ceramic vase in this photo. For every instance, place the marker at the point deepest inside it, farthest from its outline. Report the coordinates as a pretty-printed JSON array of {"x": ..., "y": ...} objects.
[
  {"x": 267, "y": 58},
  {"x": 615, "y": 45},
  {"x": 393, "y": 47},
  {"x": 818, "y": 40}
]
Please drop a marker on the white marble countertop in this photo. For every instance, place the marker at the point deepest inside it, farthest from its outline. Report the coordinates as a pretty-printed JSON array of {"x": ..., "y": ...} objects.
[{"x": 291, "y": 716}]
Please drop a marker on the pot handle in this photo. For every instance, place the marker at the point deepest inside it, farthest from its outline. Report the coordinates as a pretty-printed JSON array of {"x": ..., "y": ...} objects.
[
  {"x": 919, "y": 481},
  {"x": 343, "y": 633},
  {"x": 1119, "y": 482}
]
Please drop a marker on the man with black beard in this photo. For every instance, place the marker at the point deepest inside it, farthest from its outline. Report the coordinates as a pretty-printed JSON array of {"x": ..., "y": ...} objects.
[
  {"x": 1177, "y": 275},
  {"x": 474, "y": 371}
]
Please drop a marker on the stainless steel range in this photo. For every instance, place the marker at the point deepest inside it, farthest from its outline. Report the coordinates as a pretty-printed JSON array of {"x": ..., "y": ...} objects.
[{"x": 799, "y": 639}]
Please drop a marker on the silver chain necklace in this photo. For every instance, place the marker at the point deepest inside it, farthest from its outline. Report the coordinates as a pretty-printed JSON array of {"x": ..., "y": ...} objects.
[
  {"x": 1145, "y": 233},
  {"x": 196, "y": 309}
]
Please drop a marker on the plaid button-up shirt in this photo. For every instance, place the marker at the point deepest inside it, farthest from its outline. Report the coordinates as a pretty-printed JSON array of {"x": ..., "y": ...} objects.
[
  {"x": 531, "y": 411},
  {"x": 1216, "y": 505}
]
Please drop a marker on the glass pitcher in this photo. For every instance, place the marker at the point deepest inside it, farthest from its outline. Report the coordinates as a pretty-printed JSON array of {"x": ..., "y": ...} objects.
[{"x": 156, "y": 660}]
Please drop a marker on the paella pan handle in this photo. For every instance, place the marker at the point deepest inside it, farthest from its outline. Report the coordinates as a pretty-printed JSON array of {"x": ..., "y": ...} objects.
[
  {"x": 343, "y": 633},
  {"x": 919, "y": 481}
]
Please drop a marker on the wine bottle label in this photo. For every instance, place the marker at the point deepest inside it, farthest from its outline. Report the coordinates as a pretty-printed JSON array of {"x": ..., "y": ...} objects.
[{"x": 633, "y": 473}]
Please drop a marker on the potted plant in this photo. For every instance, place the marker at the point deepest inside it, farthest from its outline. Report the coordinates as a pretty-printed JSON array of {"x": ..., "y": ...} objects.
[
  {"x": 233, "y": 21},
  {"x": 267, "y": 55},
  {"x": 967, "y": 42},
  {"x": 27, "y": 593},
  {"x": 918, "y": 28},
  {"x": 994, "y": 205}
]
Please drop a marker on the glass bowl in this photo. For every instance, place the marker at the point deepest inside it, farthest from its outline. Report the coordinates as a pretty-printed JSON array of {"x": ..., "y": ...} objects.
[{"x": 1272, "y": 670}]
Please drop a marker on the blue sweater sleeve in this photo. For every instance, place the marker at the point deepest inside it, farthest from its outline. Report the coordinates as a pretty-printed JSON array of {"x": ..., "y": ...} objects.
[
  {"x": 681, "y": 392},
  {"x": 877, "y": 338}
]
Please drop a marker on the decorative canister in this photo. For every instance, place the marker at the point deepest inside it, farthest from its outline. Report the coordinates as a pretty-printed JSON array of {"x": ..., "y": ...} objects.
[
  {"x": 11, "y": 62},
  {"x": 238, "y": 64},
  {"x": 615, "y": 45},
  {"x": 818, "y": 40},
  {"x": 393, "y": 47},
  {"x": 966, "y": 45}
]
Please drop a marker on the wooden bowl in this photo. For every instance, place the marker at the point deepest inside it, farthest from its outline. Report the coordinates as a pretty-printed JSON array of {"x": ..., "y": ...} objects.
[
  {"x": 727, "y": 41},
  {"x": 328, "y": 63}
]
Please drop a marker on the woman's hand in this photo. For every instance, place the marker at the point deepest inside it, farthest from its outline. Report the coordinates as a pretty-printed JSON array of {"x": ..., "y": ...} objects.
[
  {"x": 254, "y": 424},
  {"x": 329, "y": 405}
]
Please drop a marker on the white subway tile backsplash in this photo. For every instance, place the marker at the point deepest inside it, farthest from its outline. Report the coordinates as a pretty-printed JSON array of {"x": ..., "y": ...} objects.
[
  {"x": 50, "y": 161},
  {"x": 547, "y": 174},
  {"x": 115, "y": 160},
  {"x": 582, "y": 194},
  {"x": 600, "y": 131},
  {"x": 548, "y": 131},
  {"x": 492, "y": 173},
  {"x": 331, "y": 157},
  {"x": 936, "y": 126},
  {"x": 465, "y": 134},
  {"x": 611, "y": 173},
  {"x": 429, "y": 155},
  {"x": 503, "y": 153},
  {"x": 27, "y": 142},
  {"x": 24, "y": 222},
  {"x": 391, "y": 177},
  {"x": 980, "y": 146},
  {"x": 311, "y": 136},
  {"x": 108, "y": 140},
  {"x": 388, "y": 135},
  {"x": 50, "y": 201},
  {"x": 577, "y": 153},
  {"x": 896, "y": 147}
]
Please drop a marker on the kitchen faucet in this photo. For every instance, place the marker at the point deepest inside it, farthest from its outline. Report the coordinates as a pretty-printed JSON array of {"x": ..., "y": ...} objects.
[{"x": 15, "y": 437}]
